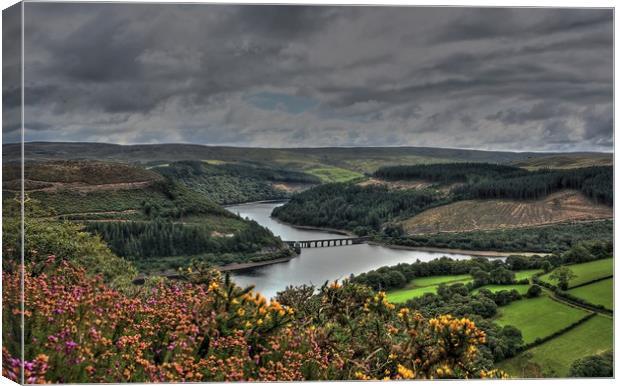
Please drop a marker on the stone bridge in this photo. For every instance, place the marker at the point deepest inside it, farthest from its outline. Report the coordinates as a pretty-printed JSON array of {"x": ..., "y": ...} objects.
[{"x": 328, "y": 242}]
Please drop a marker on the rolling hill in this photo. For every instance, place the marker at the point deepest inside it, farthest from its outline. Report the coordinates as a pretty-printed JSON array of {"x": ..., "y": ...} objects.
[
  {"x": 157, "y": 222},
  {"x": 472, "y": 215}
]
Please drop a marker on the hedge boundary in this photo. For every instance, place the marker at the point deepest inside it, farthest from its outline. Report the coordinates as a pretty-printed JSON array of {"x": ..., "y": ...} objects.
[
  {"x": 592, "y": 281},
  {"x": 547, "y": 338},
  {"x": 565, "y": 296}
]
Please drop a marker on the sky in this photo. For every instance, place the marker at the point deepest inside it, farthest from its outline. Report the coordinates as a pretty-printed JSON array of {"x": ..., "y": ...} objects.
[{"x": 522, "y": 79}]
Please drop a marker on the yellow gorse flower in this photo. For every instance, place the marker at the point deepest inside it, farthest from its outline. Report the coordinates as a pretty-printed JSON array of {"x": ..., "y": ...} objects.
[{"x": 405, "y": 372}]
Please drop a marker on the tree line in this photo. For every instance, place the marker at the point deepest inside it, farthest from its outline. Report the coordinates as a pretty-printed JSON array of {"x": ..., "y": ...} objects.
[
  {"x": 594, "y": 182},
  {"x": 483, "y": 270},
  {"x": 164, "y": 238},
  {"x": 485, "y": 181},
  {"x": 551, "y": 238},
  {"x": 449, "y": 172},
  {"x": 349, "y": 206}
]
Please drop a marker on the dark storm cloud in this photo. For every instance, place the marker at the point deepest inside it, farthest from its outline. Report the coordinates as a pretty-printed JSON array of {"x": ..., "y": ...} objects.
[
  {"x": 11, "y": 74},
  {"x": 510, "y": 23},
  {"x": 521, "y": 79}
]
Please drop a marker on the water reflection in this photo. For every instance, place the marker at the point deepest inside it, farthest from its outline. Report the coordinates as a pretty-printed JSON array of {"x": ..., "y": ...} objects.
[{"x": 316, "y": 265}]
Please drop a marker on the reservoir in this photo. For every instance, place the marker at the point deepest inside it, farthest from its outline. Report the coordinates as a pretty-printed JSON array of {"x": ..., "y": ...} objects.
[{"x": 316, "y": 265}]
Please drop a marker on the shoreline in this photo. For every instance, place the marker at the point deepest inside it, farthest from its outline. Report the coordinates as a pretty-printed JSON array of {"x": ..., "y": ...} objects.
[
  {"x": 313, "y": 228},
  {"x": 241, "y": 266},
  {"x": 274, "y": 201},
  {"x": 458, "y": 251}
]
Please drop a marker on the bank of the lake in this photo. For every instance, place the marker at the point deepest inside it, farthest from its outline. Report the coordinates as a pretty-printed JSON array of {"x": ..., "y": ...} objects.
[
  {"x": 316, "y": 265},
  {"x": 459, "y": 251}
]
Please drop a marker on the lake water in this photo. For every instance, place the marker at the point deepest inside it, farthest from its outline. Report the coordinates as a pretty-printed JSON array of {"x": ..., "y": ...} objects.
[{"x": 316, "y": 265}]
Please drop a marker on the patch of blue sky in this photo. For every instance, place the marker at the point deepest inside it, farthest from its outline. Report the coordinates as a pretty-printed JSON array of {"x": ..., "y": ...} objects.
[{"x": 283, "y": 102}]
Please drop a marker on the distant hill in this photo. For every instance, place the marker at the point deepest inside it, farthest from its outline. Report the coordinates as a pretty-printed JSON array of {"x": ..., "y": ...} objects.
[
  {"x": 359, "y": 159},
  {"x": 566, "y": 161},
  {"x": 474, "y": 215},
  {"x": 157, "y": 222}
]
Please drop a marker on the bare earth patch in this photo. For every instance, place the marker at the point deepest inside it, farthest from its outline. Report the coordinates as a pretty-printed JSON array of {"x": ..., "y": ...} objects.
[
  {"x": 473, "y": 215},
  {"x": 291, "y": 187},
  {"x": 409, "y": 184}
]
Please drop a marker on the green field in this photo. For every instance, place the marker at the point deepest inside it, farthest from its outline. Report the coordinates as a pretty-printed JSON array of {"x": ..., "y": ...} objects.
[
  {"x": 526, "y": 274},
  {"x": 436, "y": 280},
  {"x": 553, "y": 358},
  {"x": 420, "y": 286},
  {"x": 539, "y": 317},
  {"x": 586, "y": 272},
  {"x": 334, "y": 174},
  {"x": 599, "y": 293},
  {"x": 423, "y": 285},
  {"x": 521, "y": 288}
]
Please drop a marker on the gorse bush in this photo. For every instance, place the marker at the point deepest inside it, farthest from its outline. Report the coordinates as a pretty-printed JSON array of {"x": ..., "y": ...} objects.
[
  {"x": 205, "y": 328},
  {"x": 46, "y": 236}
]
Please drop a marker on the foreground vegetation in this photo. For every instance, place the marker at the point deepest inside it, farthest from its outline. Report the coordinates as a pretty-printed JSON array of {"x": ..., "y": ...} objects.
[{"x": 80, "y": 330}]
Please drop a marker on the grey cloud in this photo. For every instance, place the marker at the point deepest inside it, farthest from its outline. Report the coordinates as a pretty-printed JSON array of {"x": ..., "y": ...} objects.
[
  {"x": 537, "y": 112},
  {"x": 526, "y": 79},
  {"x": 494, "y": 23}
]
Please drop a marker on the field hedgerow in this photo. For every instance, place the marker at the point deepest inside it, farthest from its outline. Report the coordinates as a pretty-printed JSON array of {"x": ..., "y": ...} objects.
[{"x": 78, "y": 330}]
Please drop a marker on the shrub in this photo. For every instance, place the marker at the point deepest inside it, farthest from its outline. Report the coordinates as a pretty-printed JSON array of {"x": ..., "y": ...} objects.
[
  {"x": 534, "y": 291},
  {"x": 207, "y": 329},
  {"x": 593, "y": 366}
]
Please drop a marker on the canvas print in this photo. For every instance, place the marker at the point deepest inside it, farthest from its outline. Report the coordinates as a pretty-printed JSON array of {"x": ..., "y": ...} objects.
[{"x": 226, "y": 192}]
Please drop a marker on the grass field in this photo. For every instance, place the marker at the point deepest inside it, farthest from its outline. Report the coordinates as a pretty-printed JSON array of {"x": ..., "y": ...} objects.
[
  {"x": 423, "y": 285},
  {"x": 521, "y": 288},
  {"x": 553, "y": 358},
  {"x": 472, "y": 215},
  {"x": 334, "y": 174},
  {"x": 526, "y": 274},
  {"x": 538, "y": 317},
  {"x": 599, "y": 293},
  {"x": 586, "y": 272},
  {"x": 420, "y": 286}
]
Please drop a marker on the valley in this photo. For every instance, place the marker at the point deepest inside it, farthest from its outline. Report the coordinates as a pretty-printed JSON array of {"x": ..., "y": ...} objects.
[{"x": 429, "y": 216}]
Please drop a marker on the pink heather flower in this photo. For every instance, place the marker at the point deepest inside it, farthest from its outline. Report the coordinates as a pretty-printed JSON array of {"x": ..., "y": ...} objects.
[{"x": 71, "y": 345}]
